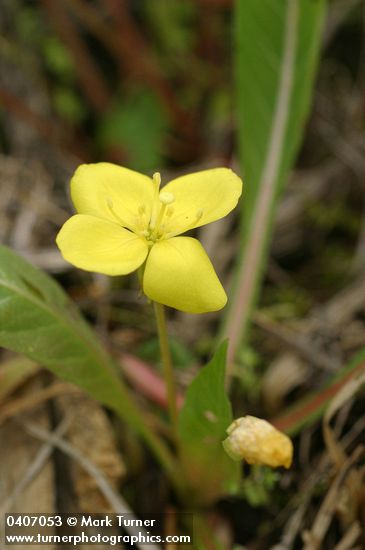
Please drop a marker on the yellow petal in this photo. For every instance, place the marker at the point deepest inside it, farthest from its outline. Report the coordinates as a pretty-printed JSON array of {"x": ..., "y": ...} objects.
[
  {"x": 111, "y": 192},
  {"x": 202, "y": 197},
  {"x": 258, "y": 442},
  {"x": 101, "y": 246},
  {"x": 179, "y": 274}
]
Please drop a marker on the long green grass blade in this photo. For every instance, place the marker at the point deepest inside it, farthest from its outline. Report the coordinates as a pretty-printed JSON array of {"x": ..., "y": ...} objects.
[{"x": 277, "y": 47}]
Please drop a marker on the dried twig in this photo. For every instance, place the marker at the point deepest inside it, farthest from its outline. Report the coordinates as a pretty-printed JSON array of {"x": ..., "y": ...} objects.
[
  {"x": 314, "y": 537},
  {"x": 34, "y": 467},
  {"x": 119, "y": 505},
  {"x": 22, "y": 404}
]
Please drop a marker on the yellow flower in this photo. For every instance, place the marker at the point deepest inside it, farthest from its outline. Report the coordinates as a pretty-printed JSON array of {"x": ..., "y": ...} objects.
[
  {"x": 258, "y": 442},
  {"x": 123, "y": 221}
]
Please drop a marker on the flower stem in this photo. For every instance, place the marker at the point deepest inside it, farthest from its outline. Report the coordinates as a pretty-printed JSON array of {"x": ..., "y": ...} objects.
[{"x": 167, "y": 365}]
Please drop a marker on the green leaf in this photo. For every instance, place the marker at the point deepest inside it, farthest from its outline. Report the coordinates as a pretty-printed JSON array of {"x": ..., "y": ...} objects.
[
  {"x": 203, "y": 421},
  {"x": 277, "y": 48},
  {"x": 38, "y": 320}
]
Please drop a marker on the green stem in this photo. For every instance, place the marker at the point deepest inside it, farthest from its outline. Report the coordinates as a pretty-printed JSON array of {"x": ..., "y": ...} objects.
[{"x": 167, "y": 366}]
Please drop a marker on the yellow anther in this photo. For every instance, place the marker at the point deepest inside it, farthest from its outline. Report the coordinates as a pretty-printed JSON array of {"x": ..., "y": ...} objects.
[
  {"x": 157, "y": 179},
  {"x": 170, "y": 211},
  {"x": 166, "y": 197}
]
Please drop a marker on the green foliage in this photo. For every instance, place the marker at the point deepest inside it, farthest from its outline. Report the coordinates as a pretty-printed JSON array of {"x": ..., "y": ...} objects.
[
  {"x": 138, "y": 125},
  {"x": 286, "y": 302},
  {"x": 58, "y": 59},
  {"x": 66, "y": 100},
  {"x": 335, "y": 214},
  {"x": 258, "y": 486},
  {"x": 171, "y": 22},
  {"x": 28, "y": 25},
  {"x": 68, "y": 104},
  {"x": 38, "y": 320},
  {"x": 277, "y": 46},
  {"x": 281, "y": 66},
  {"x": 203, "y": 421},
  {"x": 249, "y": 376}
]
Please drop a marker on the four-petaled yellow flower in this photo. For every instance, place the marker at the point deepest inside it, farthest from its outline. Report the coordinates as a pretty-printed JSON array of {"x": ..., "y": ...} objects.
[{"x": 124, "y": 220}]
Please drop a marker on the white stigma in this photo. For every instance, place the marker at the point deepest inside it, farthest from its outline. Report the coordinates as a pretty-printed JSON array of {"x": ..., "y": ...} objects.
[{"x": 166, "y": 198}]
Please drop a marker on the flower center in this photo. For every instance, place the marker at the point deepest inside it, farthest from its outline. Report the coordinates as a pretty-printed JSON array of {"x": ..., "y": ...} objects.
[{"x": 154, "y": 228}]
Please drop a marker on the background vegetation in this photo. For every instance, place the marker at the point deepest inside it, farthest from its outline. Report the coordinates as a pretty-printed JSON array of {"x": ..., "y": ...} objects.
[{"x": 274, "y": 89}]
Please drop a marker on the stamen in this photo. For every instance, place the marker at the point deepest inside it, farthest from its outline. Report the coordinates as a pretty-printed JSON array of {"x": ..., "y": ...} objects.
[
  {"x": 198, "y": 215},
  {"x": 165, "y": 199},
  {"x": 109, "y": 203},
  {"x": 141, "y": 218},
  {"x": 157, "y": 182},
  {"x": 161, "y": 215}
]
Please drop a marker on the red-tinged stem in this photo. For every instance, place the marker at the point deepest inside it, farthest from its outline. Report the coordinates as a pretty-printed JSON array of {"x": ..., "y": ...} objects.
[{"x": 297, "y": 416}]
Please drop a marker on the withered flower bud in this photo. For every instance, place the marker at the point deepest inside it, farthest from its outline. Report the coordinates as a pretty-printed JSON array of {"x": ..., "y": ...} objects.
[{"x": 258, "y": 442}]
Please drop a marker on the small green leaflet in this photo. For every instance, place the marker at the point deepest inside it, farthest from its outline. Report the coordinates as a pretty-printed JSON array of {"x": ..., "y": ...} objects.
[{"x": 203, "y": 421}]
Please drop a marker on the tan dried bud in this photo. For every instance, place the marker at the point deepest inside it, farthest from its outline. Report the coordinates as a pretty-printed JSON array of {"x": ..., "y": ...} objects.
[{"x": 258, "y": 442}]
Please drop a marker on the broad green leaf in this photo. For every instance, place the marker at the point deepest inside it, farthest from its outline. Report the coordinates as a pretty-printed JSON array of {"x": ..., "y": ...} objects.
[
  {"x": 277, "y": 47},
  {"x": 203, "y": 421},
  {"x": 38, "y": 320}
]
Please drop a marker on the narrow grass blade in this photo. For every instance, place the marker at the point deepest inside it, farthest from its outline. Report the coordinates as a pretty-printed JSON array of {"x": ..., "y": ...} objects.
[
  {"x": 277, "y": 47},
  {"x": 309, "y": 409}
]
